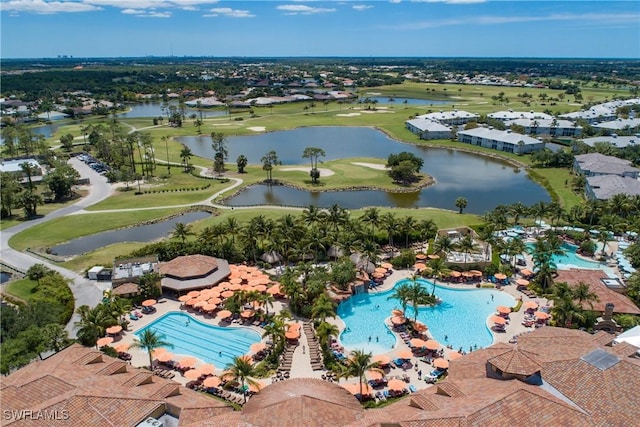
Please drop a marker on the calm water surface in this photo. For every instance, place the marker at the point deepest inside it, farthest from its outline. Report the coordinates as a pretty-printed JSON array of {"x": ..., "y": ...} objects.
[
  {"x": 483, "y": 181},
  {"x": 140, "y": 233}
]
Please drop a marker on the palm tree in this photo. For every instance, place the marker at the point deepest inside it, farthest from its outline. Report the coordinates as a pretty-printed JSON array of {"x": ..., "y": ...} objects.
[
  {"x": 93, "y": 323},
  {"x": 185, "y": 156},
  {"x": 438, "y": 268},
  {"x": 118, "y": 307},
  {"x": 406, "y": 225},
  {"x": 443, "y": 245},
  {"x": 417, "y": 295},
  {"x": 466, "y": 246},
  {"x": 241, "y": 370},
  {"x": 403, "y": 294},
  {"x": 358, "y": 363},
  {"x": 517, "y": 210},
  {"x": 583, "y": 293},
  {"x": 516, "y": 246},
  {"x": 325, "y": 331},
  {"x": 371, "y": 216},
  {"x": 275, "y": 331},
  {"x": 149, "y": 341},
  {"x": 322, "y": 308},
  {"x": 461, "y": 204},
  {"x": 389, "y": 223},
  {"x": 181, "y": 231}
]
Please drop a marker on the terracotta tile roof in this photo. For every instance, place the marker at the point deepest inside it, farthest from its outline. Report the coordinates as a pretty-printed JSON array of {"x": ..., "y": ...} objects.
[
  {"x": 97, "y": 390},
  {"x": 423, "y": 402},
  {"x": 516, "y": 362},
  {"x": 448, "y": 388},
  {"x": 593, "y": 278},
  {"x": 189, "y": 266},
  {"x": 603, "y": 338},
  {"x": 624, "y": 349},
  {"x": 126, "y": 289}
]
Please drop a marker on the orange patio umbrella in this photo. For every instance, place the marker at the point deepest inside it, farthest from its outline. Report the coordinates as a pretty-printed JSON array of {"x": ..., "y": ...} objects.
[
  {"x": 381, "y": 359},
  {"x": 380, "y": 270},
  {"x": 467, "y": 274},
  {"x": 187, "y": 362},
  {"x": 104, "y": 341},
  {"x": 209, "y": 307},
  {"x": 200, "y": 304},
  {"x": 455, "y": 273},
  {"x": 274, "y": 290},
  {"x": 207, "y": 369},
  {"x": 191, "y": 302},
  {"x": 215, "y": 292},
  {"x": 121, "y": 348},
  {"x": 497, "y": 320},
  {"x": 355, "y": 388},
  {"x": 398, "y": 320},
  {"x": 223, "y": 314},
  {"x": 455, "y": 356},
  {"x": 433, "y": 256},
  {"x": 254, "y": 282},
  {"x": 227, "y": 294},
  {"x": 541, "y": 315},
  {"x": 158, "y": 351},
  {"x": 420, "y": 327},
  {"x": 396, "y": 385},
  {"x": 212, "y": 382},
  {"x": 260, "y": 288},
  {"x": 503, "y": 309},
  {"x": 522, "y": 282},
  {"x": 441, "y": 363},
  {"x": 165, "y": 356},
  {"x": 193, "y": 294},
  {"x": 405, "y": 354},
  {"x": 417, "y": 342},
  {"x": 476, "y": 272},
  {"x": 247, "y": 313},
  {"x": 526, "y": 272},
  {"x": 257, "y": 347},
  {"x": 114, "y": 329},
  {"x": 432, "y": 345},
  {"x": 192, "y": 374},
  {"x": 421, "y": 256},
  {"x": 149, "y": 302},
  {"x": 419, "y": 266},
  {"x": 500, "y": 276},
  {"x": 184, "y": 298},
  {"x": 214, "y": 300},
  {"x": 292, "y": 334},
  {"x": 386, "y": 265},
  {"x": 378, "y": 275},
  {"x": 235, "y": 281},
  {"x": 530, "y": 305},
  {"x": 373, "y": 374},
  {"x": 233, "y": 286},
  {"x": 396, "y": 312}
]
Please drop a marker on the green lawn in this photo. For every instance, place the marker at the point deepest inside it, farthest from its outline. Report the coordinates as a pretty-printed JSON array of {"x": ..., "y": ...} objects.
[
  {"x": 103, "y": 256},
  {"x": 560, "y": 181},
  {"x": 21, "y": 288},
  {"x": 66, "y": 228}
]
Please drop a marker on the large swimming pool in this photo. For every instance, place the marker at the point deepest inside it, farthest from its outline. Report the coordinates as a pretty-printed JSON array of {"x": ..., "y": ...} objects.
[
  {"x": 461, "y": 317},
  {"x": 209, "y": 343},
  {"x": 571, "y": 260}
]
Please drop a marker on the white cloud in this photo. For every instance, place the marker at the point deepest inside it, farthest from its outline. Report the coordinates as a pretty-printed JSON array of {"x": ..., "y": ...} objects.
[
  {"x": 227, "y": 11},
  {"x": 46, "y": 6},
  {"x": 156, "y": 15},
  {"x": 132, "y": 11},
  {"x": 395, "y": 1},
  {"x": 300, "y": 9},
  {"x": 587, "y": 18},
  {"x": 361, "y": 7}
]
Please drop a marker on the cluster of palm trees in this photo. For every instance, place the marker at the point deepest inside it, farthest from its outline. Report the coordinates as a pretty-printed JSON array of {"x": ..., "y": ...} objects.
[
  {"x": 414, "y": 293},
  {"x": 94, "y": 321},
  {"x": 316, "y": 234},
  {"x": 568, "y": 308}
]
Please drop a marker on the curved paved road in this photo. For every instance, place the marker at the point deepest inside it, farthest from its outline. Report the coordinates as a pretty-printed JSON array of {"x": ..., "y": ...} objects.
[{"x": 84, "y": 290}]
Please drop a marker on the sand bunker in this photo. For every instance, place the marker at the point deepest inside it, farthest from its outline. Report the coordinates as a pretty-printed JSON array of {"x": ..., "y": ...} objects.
[
  {"x": 377, "y": 111},
  {"x": 323, "y": 171},
  {"x": 257, "y": 128},
  {"x": 370, "y": 165},
  {"x": 348, "y": 115}
]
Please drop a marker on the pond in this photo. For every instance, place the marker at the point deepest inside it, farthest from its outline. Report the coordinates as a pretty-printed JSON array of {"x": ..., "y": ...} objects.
[
  {"x": 140, "y": 233},
  {"x": 483, "y": 181},
  {"x": 156, "y": 109},
  {"x": 5, "y": 276},
  {"x": 404, "y": 101}
]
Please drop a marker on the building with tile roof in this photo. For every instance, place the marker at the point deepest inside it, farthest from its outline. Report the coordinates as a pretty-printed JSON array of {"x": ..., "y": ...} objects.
[
  {"x": 189, "y": 272},
  {"x": 582, "y": 379},
  {"x": 514, "y": 115},
  {"x": 454, "y": 117},
  {"x": 501, "y": 140},
  {"x": 428, "y": 129},
  {"x": 551, "y": 127},
  {"x": 604, "y": 187},
  {"x": 618, "y": 141},
  {"x": 593, "y": 164}
]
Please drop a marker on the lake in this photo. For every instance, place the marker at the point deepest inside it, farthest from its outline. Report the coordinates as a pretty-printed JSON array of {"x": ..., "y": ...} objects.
[
  {"x": 155, "y": 109},
  {"x": 483, "y": 181},
  {"x": 140, "y": 233}
]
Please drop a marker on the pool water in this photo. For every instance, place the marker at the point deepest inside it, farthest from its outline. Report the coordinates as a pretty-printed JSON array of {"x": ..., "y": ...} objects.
[
  {"x": 461, "y": 317},
  {"x": 209, "y": 343},
  {"x": 571, "y": 260}
]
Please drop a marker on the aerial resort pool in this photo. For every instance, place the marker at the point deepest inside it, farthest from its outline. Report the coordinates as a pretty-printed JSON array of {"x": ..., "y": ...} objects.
[
  {"x": 209, "y": 343},
  {"x": 461, "y": 318},
  {"x": 571, "y": 260}
]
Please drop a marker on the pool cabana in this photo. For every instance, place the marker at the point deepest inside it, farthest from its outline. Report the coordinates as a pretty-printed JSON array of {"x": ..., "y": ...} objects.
[{"x": 193, "y": 272}]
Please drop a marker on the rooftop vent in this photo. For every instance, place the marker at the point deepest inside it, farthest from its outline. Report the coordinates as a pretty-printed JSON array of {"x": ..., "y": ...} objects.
[{"x": 600, "y": 359}]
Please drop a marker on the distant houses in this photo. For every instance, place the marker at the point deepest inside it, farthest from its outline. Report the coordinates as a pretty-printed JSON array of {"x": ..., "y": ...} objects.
[
  {"x": 451, "y": 118},
  {"x": 552, "y": 127},
  {"x": 515, "y": 115},
  {"x": 607, "y": 176},
  {"x": 428, "y": 129},
  {"x": 501, "y": 140}
]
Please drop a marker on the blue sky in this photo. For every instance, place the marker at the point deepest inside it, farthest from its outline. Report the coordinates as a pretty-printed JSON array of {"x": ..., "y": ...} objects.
[{"x": 440, "y": 28}]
